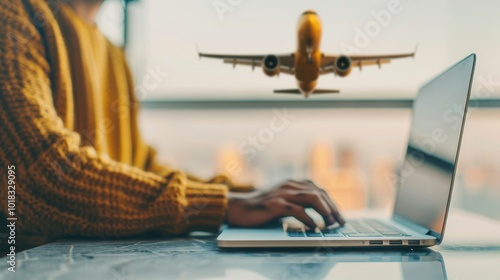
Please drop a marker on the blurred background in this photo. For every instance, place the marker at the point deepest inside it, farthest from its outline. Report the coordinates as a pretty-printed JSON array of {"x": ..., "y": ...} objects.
[{"x": 206, "y": 117}]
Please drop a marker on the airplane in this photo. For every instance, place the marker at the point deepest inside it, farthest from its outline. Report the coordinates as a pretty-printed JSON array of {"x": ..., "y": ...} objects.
[{"x": 307, "y": 62}]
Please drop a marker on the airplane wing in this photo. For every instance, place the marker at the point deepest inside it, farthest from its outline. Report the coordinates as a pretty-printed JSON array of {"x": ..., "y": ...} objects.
[
  {"x": 359, "y": 61},
  {"x": 286, "y": 61}
]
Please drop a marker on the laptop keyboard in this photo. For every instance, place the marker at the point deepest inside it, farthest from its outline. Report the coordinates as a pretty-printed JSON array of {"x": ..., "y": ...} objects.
[{"x": 354, "y": 228}]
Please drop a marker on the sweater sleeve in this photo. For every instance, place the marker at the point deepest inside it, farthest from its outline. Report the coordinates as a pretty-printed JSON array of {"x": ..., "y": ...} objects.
[{"x": 64, "y": 188}]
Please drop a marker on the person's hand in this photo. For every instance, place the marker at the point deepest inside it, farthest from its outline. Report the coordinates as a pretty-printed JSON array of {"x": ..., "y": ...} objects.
[{"x": 288, "y": 199}]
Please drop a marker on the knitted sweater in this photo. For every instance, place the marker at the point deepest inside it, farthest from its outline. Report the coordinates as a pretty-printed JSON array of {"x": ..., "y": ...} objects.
[{"x": 68, "y": 125}]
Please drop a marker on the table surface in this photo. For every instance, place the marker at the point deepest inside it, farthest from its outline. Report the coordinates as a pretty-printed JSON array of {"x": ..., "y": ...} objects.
[{"x": 471, "y": 250}]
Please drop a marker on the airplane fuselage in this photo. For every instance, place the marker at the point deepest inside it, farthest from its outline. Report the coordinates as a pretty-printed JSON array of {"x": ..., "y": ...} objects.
[{"x": 308, "y": 55}]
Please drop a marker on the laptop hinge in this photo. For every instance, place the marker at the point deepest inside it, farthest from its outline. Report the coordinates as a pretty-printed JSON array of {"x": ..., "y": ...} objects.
[{"x": 413, "y": 226}]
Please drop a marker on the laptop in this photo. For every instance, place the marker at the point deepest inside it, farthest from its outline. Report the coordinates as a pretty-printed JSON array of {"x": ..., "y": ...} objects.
[{"x": 425, "y": 180}]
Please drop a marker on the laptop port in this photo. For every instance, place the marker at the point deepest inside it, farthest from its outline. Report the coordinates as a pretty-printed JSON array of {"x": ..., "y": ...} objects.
[
  {"x": 413, "y": 242},
  {"x": 376, "y": 242},
  {"x": 395, "y": 242}
]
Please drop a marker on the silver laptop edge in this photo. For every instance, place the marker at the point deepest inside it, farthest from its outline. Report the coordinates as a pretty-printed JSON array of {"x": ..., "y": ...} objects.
[{"x": 417, "y": 213}]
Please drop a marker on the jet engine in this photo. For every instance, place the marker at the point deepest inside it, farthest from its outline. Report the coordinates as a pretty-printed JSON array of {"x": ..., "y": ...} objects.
[
  {"x": 343, "y": 66},
  {"x": 271, "y": 65}
]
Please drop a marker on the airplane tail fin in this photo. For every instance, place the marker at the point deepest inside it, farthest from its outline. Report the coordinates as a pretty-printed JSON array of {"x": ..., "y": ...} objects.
[{"x": 297, "y": 91}]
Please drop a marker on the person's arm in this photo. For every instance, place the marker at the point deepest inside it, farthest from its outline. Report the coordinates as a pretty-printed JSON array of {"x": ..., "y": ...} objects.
[{"x": 66, "y": 189}]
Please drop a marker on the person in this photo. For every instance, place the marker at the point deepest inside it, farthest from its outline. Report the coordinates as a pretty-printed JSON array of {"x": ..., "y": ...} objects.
[{"x": 69, "y": 133}]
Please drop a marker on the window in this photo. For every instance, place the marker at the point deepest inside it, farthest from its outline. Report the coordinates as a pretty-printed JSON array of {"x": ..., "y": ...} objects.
[{"x": 164, "y": 35}]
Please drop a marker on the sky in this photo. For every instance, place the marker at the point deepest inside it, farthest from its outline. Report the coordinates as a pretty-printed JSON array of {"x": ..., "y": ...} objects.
[{"x": 164, "y": 36}]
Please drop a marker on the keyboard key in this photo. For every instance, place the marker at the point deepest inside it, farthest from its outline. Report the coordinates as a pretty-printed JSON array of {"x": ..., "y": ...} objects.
[
  {"x": 314, "y": 234},
  {"x": 296, "y": 234},
  {"x": 347, "y": 230},
  {"x": 332, "y": 234},
  {"x": 330, "y": 230}
]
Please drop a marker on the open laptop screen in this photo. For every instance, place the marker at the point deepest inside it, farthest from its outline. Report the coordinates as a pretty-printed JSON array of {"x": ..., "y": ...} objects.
[{"x": 426, "y": 177}]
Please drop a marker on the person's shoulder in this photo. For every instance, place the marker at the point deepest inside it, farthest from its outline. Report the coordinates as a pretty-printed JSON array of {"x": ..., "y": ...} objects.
[
  {"x": 11, "y": 11},
  {"x": 27, "y": 14},
  {"x": 21, "y": 38},
  {"x": 31, "y": 10}
]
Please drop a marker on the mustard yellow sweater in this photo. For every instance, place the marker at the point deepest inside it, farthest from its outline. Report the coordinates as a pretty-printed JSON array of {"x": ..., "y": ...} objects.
[{"x": 68, "y": 123}]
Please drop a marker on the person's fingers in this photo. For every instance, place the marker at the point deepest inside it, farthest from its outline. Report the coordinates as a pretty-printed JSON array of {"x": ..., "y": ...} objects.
[
  {"x": 313, "y": 199},
  {"x": 283, "y": 208},
  {"x": 296, "y": 185},
  {"x": 336, "y": 214},
  {"x": 310, "y": 185}
]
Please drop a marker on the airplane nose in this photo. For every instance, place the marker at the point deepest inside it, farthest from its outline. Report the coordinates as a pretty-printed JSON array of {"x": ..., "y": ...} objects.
[
  {"x": 309, "y": 22},
  {"x": 309, "y": 12}
]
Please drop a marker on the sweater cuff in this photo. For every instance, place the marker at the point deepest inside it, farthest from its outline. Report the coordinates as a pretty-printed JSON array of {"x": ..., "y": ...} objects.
[{"x": 206, "y": 206}]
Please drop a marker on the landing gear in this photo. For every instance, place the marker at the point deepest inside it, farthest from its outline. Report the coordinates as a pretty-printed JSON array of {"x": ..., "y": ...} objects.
[{"x": 309, "y": 52}]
